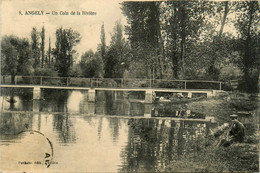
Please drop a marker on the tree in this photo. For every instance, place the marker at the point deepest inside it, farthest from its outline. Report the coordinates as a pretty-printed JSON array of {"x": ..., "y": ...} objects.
[
  {"x": 117, "y": 56},
  {"x": 183, "y": 22},
  {"x": 144, "y": 34},
  {"x": 43, "y": 45},
  {"x": 35, "y": 48},
  {"x": 66, "y": 40},
  {"x": 49, "y": 51},
  {"x": 91, "y": 65},
  {"x": 248, "y": 27},
  {"x": 16, "y": 56},
  {"x": 9, "y": 57},
  {"x": 102, "y": 47},
  {"x": 218, "y": 40}
]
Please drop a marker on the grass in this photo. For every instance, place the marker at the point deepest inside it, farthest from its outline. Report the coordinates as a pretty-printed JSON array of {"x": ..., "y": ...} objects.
[{"x": 239, "y": 157}]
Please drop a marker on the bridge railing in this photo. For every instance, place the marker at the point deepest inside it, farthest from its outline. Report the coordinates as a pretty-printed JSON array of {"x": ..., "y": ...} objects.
[{"x": 111, "y": 82}]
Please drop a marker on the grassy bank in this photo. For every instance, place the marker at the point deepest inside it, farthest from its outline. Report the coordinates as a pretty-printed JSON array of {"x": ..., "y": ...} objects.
[{"x": 238, "y": 157}]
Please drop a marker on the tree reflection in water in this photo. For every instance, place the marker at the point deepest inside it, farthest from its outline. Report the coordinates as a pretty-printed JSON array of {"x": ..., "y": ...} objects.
[
  {"x": 55, "y": 100},
  {"x": 62, "y": 123},
  {"x": 114, "y": 125},
  {"x": 13, "y": 123},
  {"x": 14, "y": 99},
  {"x": 152, "y": 144}
]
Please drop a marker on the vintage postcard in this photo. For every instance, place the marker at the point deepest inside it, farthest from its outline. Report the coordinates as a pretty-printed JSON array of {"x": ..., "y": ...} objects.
[{"x": 129, "y": 86}]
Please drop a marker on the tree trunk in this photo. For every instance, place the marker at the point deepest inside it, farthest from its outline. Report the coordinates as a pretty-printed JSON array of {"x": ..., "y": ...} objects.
[
  {"x": 174, "y": 56},
  {"x": 247, "y": 55},
  {"x": 183, "y": 38},
  {"x": 175, "y": 66},
  {"x": 161, "y": 56},
  {"x": 212, "y": 70},
  {"x": 13, "y": 79},
  {"x": 224, "y": 19}
]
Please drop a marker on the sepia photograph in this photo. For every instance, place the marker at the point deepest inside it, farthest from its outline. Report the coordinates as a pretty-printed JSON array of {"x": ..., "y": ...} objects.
[{"x": 129, "y": 86}]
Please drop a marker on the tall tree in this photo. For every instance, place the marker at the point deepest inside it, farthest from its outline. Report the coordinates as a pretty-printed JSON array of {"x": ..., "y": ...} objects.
[
  {"x": 43, "y": 45},
  {"x": 144, "y": 33},
  {"x": 223, "y": 21},
  {"x": 183, "y": 21},
  {"x": 9, "y": 57},
  {"x": 117, "y": 56},
  {"x": 16, "y": 56},
  {"x": 66, "y": 40},
  {"x": 248, "y": 26},
  {"x": 222, "y": 10},
  {"x": 49, "y": 51},
  {"x": 35, "y": 47},
  {"x": 103, "y": 42}
]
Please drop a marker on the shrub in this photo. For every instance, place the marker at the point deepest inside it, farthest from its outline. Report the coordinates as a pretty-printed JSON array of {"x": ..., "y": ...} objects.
[
  {"x": 45, "y": 72},
  {"x": 108, "y": 83},
  {"x": 169, "y": 84}
]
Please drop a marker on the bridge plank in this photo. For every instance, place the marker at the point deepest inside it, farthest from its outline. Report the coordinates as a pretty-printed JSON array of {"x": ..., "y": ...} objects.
[{"x": 112, "y": 89}]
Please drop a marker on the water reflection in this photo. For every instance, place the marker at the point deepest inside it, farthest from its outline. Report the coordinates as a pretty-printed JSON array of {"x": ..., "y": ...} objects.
[
  {"x": 63, "y": 125},
  {"x": 135, "y": 144},
  {"x": 85, "y": 138},
  {"x": 152, "y": 144},
  {"x": 14, "y": 123}
]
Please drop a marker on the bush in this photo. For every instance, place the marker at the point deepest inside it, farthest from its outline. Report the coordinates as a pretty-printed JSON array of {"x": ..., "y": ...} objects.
[
  {"x": 249, "y": 83},
  {"x": 45, "y": 72},
  {"x": 169, "y": 84},
  {"x": 202, "y": 85},
  {"x": 108, "y": 83},
  {"x": 230, "y": 72}
]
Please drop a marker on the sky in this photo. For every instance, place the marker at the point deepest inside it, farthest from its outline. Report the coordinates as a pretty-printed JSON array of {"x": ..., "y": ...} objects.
[{"x": 89, "y": 26}]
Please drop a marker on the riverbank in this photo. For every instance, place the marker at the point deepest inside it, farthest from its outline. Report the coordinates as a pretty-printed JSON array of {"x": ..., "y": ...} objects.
[{"x": 238, "y": 157}]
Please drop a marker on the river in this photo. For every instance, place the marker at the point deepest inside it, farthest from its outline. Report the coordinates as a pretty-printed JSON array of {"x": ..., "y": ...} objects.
[{"x": 117, "y": 133}]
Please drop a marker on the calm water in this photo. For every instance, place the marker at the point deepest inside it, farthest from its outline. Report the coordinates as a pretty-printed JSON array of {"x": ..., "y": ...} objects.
[{"x": 107, "y": 135}]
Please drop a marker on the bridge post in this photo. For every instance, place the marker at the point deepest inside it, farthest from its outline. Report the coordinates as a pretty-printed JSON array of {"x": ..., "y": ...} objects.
[
  {"x": 36, "y": 93},
  {"x": 36, "y": 105},
  {"x": 149, "y": 96},
  {"x": 147, "y": 110},
  {"x": 209, "y": 94},
  {"x": 91, "y": 95},
  {"x": 41, "y": 80},
  {"x": 15, "y": 80},
  {"x": 115, "y": 95},
  {"x": 91, "y": 108}
]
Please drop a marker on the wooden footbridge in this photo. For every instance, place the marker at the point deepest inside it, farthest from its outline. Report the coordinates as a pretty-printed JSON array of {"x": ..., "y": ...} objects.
[{"x": 149, "y": 86}]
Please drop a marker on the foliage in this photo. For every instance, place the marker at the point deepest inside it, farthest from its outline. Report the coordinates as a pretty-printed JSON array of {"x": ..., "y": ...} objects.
[
  {"x": 195, "y": 44},
  {"x": 108, "y": 83},
  {"x": 91, "y": 65},
  {"x": 102, "y": 47},
  {"x": 135, "y": 70},
  {"x": 9, "y": 56},
  {"x": 43, "y": 45},
  {"x": 144, "y": 34},
  {"x": 117, "y": 57},
  {"x": 248, "y": 27},
  {"x": 35, "y": 47},
  {"x": 66, "y": 40},
  {"x": 16, "y": 56},
  {"x": 45, "y": 72},
  {"x": 170, "y": 84},
  {"x": 230, "y": 72}
]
